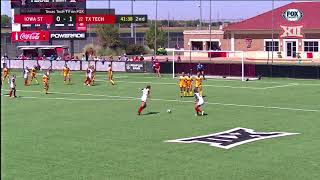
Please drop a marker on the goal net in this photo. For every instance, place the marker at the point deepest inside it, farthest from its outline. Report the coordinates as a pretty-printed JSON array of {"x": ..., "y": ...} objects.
[{"x": 217, "y": 64}]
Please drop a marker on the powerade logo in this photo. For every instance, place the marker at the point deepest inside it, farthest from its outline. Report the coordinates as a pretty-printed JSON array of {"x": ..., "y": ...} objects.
[
  {"x": 57, "y": 36},
  {"x": 292, "y": 15}
]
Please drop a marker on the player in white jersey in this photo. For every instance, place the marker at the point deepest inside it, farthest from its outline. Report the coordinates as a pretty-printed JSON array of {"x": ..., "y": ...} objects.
[
  {"x": 144, "y": 97},
  {"x": 88, "y": 77},
  {"x": 198, "y": 103},
  {"x": 26, "y": 76},
  {"x": 13, "y": 86}
]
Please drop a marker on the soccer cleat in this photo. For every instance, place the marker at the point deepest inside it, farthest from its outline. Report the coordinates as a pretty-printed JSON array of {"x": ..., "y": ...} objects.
[{"x": 202, "y": 113}]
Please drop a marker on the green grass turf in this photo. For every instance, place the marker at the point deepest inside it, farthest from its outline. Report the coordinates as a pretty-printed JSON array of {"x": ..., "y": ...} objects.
[{"x": 84, "y": 133}]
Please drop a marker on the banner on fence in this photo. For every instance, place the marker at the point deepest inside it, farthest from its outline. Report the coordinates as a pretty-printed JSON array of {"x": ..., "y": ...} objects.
[
  {"x": 135, "y": 67},
  {"x": 58, "y": 65}
]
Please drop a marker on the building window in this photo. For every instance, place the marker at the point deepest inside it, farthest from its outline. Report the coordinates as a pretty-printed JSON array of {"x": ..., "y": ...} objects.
[
  {"x": 268, "y": 45},
  {"x": 311, "y": 46},
  {"x": 196, "y": 45},
  {"x": 214, "y": 45}
]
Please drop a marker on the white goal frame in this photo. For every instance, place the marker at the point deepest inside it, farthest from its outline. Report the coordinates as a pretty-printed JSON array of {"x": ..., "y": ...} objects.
[{"x": 207, "y": 51}]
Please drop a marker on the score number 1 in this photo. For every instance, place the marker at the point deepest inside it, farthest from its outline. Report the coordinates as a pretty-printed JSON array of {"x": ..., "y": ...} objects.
[{"x": 64, "y": 19}]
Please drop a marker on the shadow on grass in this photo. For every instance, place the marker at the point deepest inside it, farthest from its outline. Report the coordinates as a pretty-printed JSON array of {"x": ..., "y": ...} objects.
[{"x": 151, "y": 113}]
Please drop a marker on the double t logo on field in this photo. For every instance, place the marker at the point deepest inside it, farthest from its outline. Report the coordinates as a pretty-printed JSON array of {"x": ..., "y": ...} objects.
[{"x": 231, "y": 138}]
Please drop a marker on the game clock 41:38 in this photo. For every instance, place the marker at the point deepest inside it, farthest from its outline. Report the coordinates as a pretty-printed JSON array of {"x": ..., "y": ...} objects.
[{"x": 132, "y": 19}]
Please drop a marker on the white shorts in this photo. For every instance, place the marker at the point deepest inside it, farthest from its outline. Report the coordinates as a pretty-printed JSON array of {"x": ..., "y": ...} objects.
[
  {"x": 25, "y": 76},
  {"x": 144, "y": 98},
  {"x": 200, "y": 103},
  {"x": 89, "y": 76}
]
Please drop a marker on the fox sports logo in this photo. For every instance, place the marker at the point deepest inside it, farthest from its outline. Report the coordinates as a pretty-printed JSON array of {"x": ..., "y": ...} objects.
[{"x": 292, "y": 15}]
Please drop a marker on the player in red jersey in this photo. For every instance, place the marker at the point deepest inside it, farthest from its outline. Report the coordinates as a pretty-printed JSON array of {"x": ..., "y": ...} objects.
[
  {"x": 144, "y": 98},
  {"x": 157, "y": 68}
]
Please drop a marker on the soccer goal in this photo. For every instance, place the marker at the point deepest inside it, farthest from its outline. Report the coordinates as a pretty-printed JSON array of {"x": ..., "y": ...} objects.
[{"x": 217, "y": 64}]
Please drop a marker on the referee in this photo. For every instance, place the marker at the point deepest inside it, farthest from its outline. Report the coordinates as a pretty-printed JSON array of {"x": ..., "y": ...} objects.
[{"x": 200, "y": 69}]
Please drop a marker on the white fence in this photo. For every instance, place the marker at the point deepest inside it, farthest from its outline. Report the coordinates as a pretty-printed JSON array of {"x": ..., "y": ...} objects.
[{"x": 58, "y": 65}]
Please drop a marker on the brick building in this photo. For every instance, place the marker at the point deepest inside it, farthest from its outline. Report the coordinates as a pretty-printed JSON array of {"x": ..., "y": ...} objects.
[{"x": 295, "y": 28}]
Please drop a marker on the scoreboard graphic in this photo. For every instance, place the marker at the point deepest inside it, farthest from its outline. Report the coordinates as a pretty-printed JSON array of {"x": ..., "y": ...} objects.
[{"x": 45, "y": 20}]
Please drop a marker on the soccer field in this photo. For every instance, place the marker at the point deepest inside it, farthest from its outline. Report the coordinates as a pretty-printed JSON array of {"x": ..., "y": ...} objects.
[{"x": 93, "y": 133}]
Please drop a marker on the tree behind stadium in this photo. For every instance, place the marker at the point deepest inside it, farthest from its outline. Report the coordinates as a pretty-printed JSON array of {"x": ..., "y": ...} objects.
[
  {"x": 5, "y": 21},
  {"x": 161, "y": 37},
  {"x": 108, "y": 35}
]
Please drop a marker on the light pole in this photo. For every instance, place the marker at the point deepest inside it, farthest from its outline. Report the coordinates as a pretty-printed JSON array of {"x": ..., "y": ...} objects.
[
  {"x": 132, "y": 27},
  {"x": 272, "y": 31},
  {"x": 200, "y": 7},
  {"x": 210, "y": 30},
  {"x": 155, "y": 31},
  {"x": 168, "y": 29}
]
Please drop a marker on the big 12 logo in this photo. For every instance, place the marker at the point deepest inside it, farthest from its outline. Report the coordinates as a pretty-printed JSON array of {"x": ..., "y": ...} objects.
[{"x": 291, "y": 31}]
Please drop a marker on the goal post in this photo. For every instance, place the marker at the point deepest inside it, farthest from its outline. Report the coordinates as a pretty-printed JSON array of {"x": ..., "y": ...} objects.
[{"x": 210, "y": 57}]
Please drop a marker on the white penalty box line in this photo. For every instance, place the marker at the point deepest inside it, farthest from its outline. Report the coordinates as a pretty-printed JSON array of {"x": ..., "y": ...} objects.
[
  {"x": 209, "y": 85},
  {"x": 130, "y": 98}
]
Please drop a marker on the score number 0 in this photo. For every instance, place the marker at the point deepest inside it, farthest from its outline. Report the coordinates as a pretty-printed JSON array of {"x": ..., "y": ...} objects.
[{"x": 58, "y": 19}]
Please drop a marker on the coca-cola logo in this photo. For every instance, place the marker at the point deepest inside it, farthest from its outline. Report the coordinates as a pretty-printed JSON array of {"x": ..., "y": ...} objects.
[{"x": 30, "y": 36}]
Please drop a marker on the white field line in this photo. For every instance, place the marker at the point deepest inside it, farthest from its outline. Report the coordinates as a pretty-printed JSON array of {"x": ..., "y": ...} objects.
[
  {"x": 124, "y": 98},
  {"x": 287, "y": 85},
  {"x": 209, "y": 85},
  {"x": 218, "y": 80}
]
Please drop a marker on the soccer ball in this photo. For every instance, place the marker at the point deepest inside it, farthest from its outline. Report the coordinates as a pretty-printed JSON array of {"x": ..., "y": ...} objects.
[{"x": 168, "y": 110}]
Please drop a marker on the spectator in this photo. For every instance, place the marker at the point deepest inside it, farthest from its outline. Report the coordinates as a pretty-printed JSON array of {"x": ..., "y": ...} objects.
[
  {"x": 77, "y": 58},
  {"x": 90, "y": 57},
  {"x": 179, "y": 58},
  {"x": 141, "y": 58},
  {"x": 5, "y": 56},
  {"x": 110, "y": 58},
  {"x": 39, "y": 58},
  {"x": 52, "y": 57},
  {"x": 87, "y": 55},
  {"x": 58, "y": 58},
  {"x": 83, "y": 57},
  {"x": 136, "y": 58},
  {"x": 3, "y": 62},
  {"x": 167, "y": 59},
  {"x": 124, "y": 58},
  {"x": 119, "y": 58}
]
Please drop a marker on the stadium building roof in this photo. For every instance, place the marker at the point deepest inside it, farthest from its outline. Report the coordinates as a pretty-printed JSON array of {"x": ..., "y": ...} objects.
[{"x": 310, "y": 19}]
